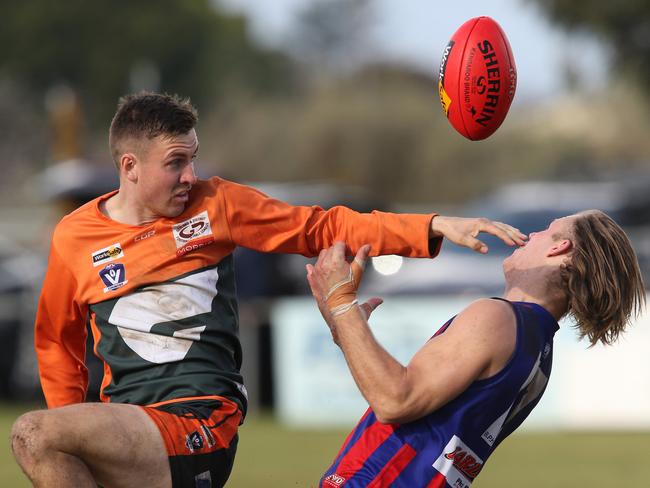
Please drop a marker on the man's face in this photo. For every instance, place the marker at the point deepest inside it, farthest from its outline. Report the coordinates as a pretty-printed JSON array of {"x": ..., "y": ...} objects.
[
  {"x": 540, "y": 245},
  {"x": 165, "y": 174}
]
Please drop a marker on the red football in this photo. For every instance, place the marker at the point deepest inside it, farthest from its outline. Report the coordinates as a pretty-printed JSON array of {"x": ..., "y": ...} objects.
[{"x": 478, "y": 78}]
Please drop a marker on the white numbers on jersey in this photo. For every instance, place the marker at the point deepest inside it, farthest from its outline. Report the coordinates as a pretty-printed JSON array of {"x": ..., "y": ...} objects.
[{"x": 137, "y": 313}]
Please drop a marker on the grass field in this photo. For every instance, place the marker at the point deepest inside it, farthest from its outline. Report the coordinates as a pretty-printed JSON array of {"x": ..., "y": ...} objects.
[{"x": 270, "y": 455}]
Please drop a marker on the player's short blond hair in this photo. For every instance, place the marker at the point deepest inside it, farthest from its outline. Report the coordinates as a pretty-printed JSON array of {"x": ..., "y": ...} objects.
[
  {"x": 602, "y": 279},
  {"x": 146, "y": 115}
]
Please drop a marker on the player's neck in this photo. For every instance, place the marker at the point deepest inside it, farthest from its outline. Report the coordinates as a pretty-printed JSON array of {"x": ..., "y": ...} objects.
[
  {"x": 121, "y": 208},
  {"x": 542, "y": 294}
]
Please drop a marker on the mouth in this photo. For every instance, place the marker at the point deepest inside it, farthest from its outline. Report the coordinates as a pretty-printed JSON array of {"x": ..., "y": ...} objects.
[{"x": 182, "y": 196}]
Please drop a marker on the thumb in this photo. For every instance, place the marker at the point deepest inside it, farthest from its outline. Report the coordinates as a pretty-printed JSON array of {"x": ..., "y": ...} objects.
[
  {"x": 476, "y": 245},
  {"x": 362, "y": 255},
  {"x": 368, "y": 307}
]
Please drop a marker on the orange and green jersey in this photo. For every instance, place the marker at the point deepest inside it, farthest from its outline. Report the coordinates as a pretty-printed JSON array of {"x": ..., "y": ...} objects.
[{"x": 161, "y": 297}]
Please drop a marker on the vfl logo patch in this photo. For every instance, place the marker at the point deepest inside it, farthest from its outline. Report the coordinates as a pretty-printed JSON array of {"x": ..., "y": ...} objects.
[
  {"x": 334, "y": 480},
  {"x": 193, "y": 233},
  {"x": 458, "y": 463},
  {"x": 110, "y": 253},
  {"x": 113, "y": 276}
]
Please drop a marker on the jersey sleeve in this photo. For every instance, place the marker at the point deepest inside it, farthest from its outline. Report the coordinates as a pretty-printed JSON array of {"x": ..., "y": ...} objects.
[
  {"x": 60, "y": 337},
  {"x": 265, "y": 224}
]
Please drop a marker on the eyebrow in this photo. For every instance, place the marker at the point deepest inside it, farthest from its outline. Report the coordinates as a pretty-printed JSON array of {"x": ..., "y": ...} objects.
[{"x": 180, "y": 152}]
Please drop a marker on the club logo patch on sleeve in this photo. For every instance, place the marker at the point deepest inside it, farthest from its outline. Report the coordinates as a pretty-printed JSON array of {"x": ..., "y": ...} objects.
[
  {"x": 458, "y": 464},
  {"x": 110, "y": 253},
  {"x": 113, "y": 276},
  {"x": 193, "y": 233}
]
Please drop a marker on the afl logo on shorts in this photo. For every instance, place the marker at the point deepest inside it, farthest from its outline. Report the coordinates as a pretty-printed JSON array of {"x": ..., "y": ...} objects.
[{"x": 193, "y": 233}]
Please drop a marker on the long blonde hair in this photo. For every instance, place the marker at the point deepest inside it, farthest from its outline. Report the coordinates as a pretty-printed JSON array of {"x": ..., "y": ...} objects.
[{"x": 602, "y": 280}]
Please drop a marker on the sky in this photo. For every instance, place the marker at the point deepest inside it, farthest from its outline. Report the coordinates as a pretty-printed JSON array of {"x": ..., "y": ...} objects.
[{"x": 415, "y": 32}]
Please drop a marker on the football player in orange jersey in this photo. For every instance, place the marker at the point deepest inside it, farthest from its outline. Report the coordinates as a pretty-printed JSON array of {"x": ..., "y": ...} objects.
[{"x": 151, "y": 266}]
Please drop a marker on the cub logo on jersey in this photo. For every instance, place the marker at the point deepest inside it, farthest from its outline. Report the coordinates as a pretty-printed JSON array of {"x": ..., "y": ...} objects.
[
  {"x": 110, "y": 253},
  {"x": 458, "y": 463},
  {"x": 113, "y": 276},
  {"x": 193, "y": 233}
]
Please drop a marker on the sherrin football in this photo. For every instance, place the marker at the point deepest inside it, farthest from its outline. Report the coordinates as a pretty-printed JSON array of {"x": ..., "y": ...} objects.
[{"x": 477, "y": 78}]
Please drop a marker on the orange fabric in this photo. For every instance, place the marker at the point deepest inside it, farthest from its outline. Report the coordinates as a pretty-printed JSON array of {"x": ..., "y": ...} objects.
[
  {"x": 178, "y": 432},
  {"x": 86, "y": 241}
]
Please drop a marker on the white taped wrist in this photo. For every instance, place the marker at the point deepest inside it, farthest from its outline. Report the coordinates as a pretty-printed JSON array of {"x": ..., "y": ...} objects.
[{"x": 341, "y": 309}]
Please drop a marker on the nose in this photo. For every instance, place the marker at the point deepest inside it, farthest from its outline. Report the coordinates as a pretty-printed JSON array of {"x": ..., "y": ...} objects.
[{"x": 188, "y": 176}]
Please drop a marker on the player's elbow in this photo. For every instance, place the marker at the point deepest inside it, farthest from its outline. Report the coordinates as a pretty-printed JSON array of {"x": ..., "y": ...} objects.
[
  {"x": 387, "y": 417},
  {"x": 394, "y": 415},
  {"x": 397, "y": 408}
]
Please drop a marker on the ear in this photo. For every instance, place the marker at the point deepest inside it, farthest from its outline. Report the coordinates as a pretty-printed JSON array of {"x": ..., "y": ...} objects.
[
  {"x": 563, "y": 246},
  {"x": 128, "y": 167}
]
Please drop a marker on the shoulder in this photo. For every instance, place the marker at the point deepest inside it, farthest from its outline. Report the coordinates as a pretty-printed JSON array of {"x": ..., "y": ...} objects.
[
  {"x": 492, "y": 319},
  {"x": 74, "y": 224},
  {"x": 216, "y": 184},
  {"x": 489, "y": 309}
]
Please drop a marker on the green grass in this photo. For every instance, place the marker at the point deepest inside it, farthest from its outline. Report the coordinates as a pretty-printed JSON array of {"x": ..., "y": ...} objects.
[{"x": 271, "y": 455}]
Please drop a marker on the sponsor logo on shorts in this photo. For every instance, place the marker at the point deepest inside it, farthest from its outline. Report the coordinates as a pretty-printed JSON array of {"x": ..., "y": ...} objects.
[
  {"x": 194, "y": 441},
  {"x": 334, "y": 480},
  {"x": 113, "y": 276},
  {"x": 110, "y": 253},
  {"x": 458, "y": 463},
  {"x": 193, "y": 233}
]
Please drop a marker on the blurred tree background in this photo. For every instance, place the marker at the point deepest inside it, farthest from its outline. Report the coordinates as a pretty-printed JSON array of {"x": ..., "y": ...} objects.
[
  {"x": 309, "y": 111},
  {"x": 624, "y": 25}
]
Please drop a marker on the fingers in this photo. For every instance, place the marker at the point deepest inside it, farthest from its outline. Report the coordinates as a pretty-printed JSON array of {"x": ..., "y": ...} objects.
[
  {"x": 313, "y": 282},
  {"x": 331, "y": 256},
  {"x": 509, "y": 234}
]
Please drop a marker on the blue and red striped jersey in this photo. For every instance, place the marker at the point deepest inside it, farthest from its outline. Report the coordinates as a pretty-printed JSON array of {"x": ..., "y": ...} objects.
[{"x": 448, "y": 447}]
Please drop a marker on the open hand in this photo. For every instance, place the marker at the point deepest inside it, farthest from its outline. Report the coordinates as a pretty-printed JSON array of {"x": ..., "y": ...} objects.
[{"x": 464, "y": 231}]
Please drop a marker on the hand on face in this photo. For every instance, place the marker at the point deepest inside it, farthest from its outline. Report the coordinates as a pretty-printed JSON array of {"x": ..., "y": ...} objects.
[{"x": 464, "y": 231}]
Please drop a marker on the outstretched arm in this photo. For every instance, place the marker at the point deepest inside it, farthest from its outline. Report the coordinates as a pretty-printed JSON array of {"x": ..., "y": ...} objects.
[
  {"x": 477, "y": 345},
  {"x": 268, "y": 225}
]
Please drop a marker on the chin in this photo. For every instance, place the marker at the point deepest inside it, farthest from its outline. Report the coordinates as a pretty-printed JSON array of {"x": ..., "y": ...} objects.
[
  {"x": 507, "y": 263},
  {"x": 173, "y": 211}
]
